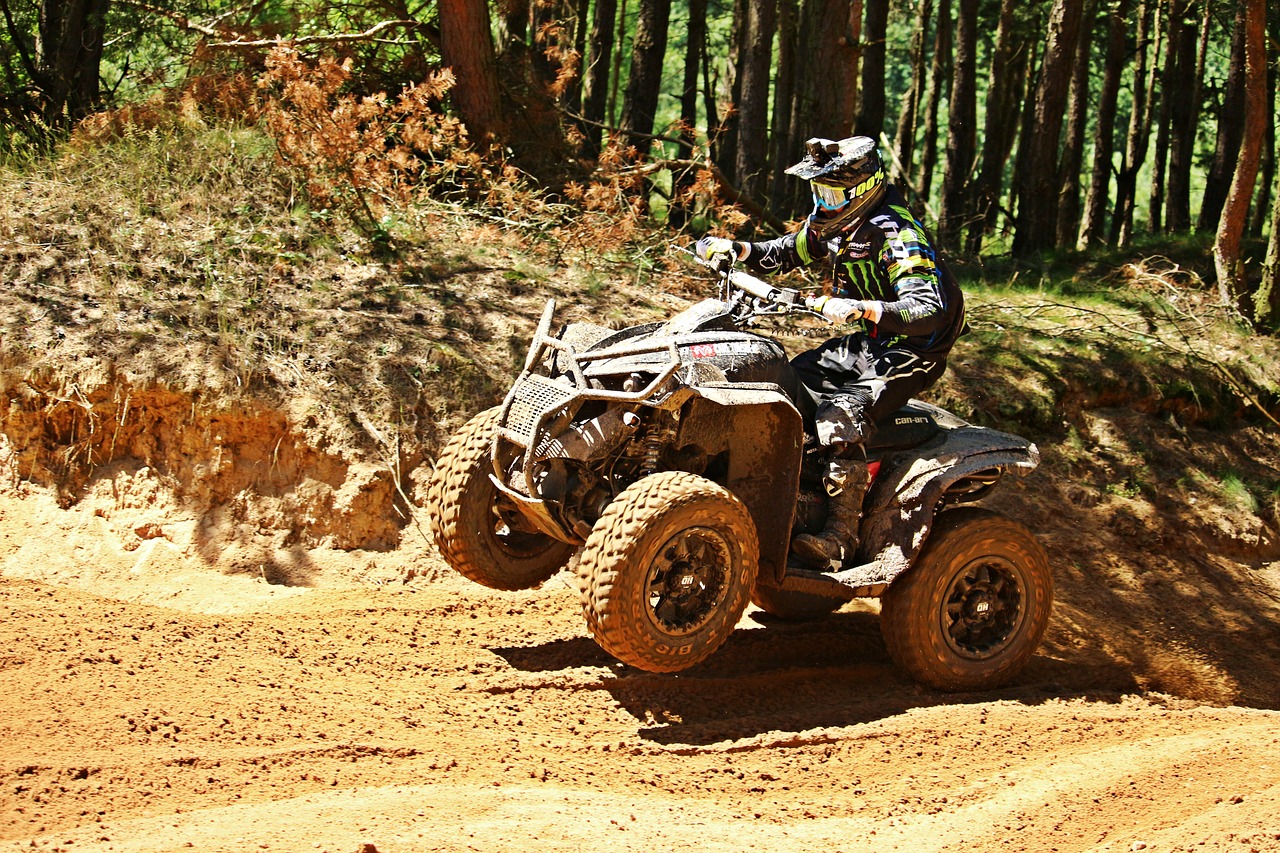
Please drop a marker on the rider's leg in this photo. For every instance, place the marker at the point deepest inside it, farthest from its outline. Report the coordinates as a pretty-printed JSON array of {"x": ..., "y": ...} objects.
[
  {"x": 856, "y": 382},
  {"x": 846, "y": 483},
  {"x": 844, "y": 429}
]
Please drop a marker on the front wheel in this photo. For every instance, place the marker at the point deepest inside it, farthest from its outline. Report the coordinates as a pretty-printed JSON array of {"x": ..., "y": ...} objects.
[
  {"x": 479, "y": 533},
  {"x": 667, "y": 571},
  {"x": 970, "y": 612}
]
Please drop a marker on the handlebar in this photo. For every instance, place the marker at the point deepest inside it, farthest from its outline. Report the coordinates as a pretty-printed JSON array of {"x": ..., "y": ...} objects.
[
  {"x": 786, "y": 299},
  {"x": 783, "y": 296}
]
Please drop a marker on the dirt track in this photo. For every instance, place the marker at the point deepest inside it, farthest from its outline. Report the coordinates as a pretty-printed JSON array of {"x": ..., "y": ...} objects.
[{"x": 436, "y": 715}]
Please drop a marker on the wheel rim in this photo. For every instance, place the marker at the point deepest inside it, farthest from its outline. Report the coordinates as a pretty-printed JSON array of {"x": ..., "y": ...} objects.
[
  {"x": 982, "y": 609},
  {"x": 688, "y": 580}
]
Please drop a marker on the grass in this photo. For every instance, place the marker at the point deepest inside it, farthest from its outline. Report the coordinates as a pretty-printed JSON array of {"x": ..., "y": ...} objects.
[{"x": 211, "y": 270}]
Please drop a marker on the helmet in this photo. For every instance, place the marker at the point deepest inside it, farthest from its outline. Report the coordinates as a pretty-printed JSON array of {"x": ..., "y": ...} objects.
[{"x": 847, "y": 179}]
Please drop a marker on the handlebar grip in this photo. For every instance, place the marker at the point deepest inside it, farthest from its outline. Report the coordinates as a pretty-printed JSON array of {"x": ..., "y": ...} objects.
[{"x": 752, "y": 285}]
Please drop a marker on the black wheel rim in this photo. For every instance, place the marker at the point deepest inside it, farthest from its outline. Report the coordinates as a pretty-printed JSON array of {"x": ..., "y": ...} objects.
[
  {"x": 688, "y": 580},
  {"x": 982, "y": 609}
]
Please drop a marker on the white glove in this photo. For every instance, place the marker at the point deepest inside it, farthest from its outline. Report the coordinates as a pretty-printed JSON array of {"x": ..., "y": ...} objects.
[
  {"x": 837, "y": 309},
  {"x": 709, "y": 247}
]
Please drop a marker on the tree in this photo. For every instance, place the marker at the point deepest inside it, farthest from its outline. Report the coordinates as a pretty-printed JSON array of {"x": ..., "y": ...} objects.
[
  {"x": 595, "y": 83},
  {"x": 1230, "y": 129},
  {"x": 956, "y": 199},
  {"x": 1135, "y": 152},
  {"x": 1038, "y": 169},
  {"x": 1068, "y": 216},
  {"x": 64, "y": 65},
  {"x": 695, "y": 48},
  {"x": 1175, "y": 89},
  {"x": 466, "y": 46},
  {"x": 870, "y": 119},
  {"x": 750, "y": 165},
  {"x": 1005, "y": 83},
  {"x": 784, "y": 87},
  {"x": 640, "y": 103},
  {"x": 1092, "y": 224},
  {"x": 1267, "y": 299},
  {"x": 939, "y": 74},
  {"x": 905, "y": 141},
  {"x": 1226, "y": 247},
  {"x": 825, "y": 75},
  {"x": 1186, "y": 113}
]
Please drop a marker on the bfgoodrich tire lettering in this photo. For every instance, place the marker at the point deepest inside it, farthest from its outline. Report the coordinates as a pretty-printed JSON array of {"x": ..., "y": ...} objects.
[
  {"x": 970, "y": 612},
  {"x": 667, "y": 571}
]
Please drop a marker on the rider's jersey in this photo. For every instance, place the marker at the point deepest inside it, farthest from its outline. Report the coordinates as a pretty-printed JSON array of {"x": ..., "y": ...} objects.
[{"x": 887, "y": 258}]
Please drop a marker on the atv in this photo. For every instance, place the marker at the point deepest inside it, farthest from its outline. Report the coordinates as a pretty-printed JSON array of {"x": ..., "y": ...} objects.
[{"x": 672, "y": 459}]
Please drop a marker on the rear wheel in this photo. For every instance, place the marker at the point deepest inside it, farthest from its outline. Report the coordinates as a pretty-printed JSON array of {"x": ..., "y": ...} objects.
[
  {"x": 970, "y": 612},
  {"x": 667, "y": 571},
  {"x": 479, "y": 533}
]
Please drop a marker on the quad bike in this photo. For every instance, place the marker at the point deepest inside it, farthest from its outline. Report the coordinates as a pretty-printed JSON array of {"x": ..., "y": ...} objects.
[{"x": 672, "y": 458}]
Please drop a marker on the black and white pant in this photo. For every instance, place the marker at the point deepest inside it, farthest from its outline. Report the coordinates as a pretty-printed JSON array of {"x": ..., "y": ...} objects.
[{"x": 854, "y": 380}]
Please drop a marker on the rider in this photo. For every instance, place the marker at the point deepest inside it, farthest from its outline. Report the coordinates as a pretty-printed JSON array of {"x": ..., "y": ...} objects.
[{"x": 888, "y": 278}]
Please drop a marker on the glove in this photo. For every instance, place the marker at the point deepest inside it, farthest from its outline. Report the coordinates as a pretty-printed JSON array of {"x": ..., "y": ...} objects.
[
  {"x": 709, "y": 247},
  {"x": 837, "y": 309}
]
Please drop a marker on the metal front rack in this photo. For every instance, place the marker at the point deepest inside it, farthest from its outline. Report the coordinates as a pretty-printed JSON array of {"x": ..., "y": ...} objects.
[{"x": 535, "y": 398}]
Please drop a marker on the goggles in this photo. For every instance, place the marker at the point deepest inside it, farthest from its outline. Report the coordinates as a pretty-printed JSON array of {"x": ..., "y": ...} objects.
[{"x": 828, "y": 197}]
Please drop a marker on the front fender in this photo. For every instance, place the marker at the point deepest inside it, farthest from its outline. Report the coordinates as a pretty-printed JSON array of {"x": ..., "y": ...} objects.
[{"x": 760, "y": 430}]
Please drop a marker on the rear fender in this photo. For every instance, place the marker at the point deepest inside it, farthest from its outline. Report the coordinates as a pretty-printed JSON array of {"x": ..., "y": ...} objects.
[
  {"x": 761, "y": 431},
  {"x": 909, "y": 491}
]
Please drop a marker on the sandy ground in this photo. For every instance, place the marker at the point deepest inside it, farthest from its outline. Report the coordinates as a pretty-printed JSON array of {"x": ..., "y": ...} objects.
[{"x": 149, "y": 704}]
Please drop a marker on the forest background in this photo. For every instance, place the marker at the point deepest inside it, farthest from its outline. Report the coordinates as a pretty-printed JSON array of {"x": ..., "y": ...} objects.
[{"x": 1019, "y": 128}]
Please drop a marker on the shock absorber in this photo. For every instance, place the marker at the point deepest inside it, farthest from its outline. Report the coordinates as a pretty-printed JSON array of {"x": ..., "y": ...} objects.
[{"x": 657, "y": 437}]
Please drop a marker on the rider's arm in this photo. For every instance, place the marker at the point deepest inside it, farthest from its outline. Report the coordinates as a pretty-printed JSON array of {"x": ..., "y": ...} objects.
[
  {"x": 798, "y": 249},
  {"x": 907, "y": 257}
]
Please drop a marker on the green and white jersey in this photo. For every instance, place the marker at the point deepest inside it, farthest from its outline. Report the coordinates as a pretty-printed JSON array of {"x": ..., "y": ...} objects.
[{"x": 889, "y": 259}]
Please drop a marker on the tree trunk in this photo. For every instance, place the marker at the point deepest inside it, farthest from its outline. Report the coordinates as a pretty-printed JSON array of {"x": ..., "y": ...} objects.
[
  {"x": 595, "y": 84},
  {"x": 1226, "y": 248},
  {"x": 905, "y": 135},
  {"x": 1262, "y": 204},
  {"x": 1170, "y": 94},
  {"x": 870, "y": 120},
  {"x": 957, "y": 203},
  {"x": 678, "y": 212},
  {"x": 572, "y": 96},
  {"x": 825, "y": 82},
  {"x": 1038, "y": 173},
  {"x": 466, "y": 47},
  {"x": 1091, "y": 228},
  {"x": 1230, "y": 129},
  {"x": 751, "y": 164},
  {"x": 783, "y": 94},
  {"x": 1267, "y": 300},
  {"x": 1069, "y": 167},
  {"x": 939, "y": 78},
  {"x": 68, "y": 56},
  {"x": 1005, "y": 84},
  {"x": 1139, "y": 126},
  {"x": 640, "y": 103},
  {"x": 1186, "y": 113},
  {"x": 611, "y": 112},
  {"x": 694, "y": 49},
  {"x": 726, "y": 133}
]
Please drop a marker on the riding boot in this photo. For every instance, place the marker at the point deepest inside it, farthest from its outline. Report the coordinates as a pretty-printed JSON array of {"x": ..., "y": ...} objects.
[{"x": 847, "y": 481}]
